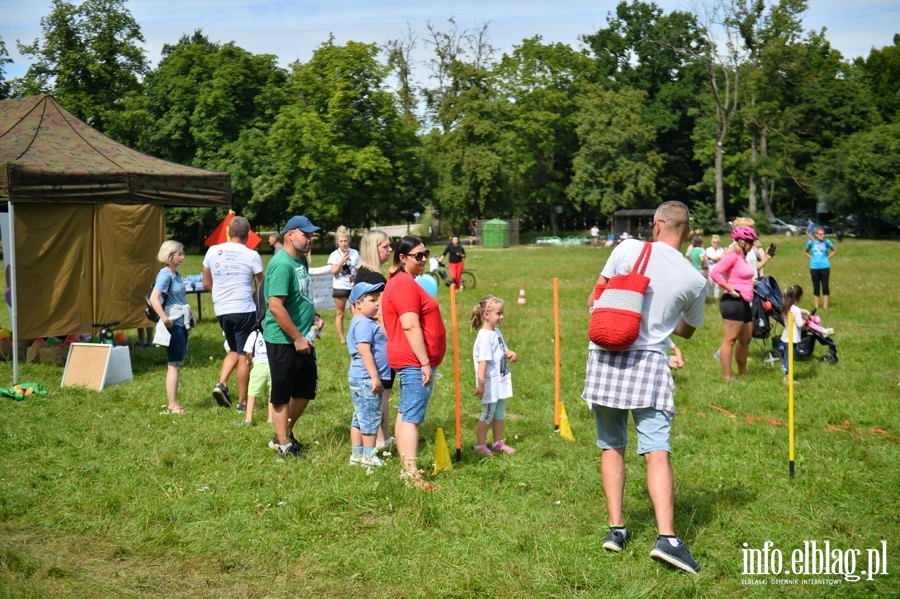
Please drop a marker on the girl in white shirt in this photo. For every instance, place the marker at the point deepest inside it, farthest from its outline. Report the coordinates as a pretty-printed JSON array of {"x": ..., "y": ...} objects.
[{"x": 493, "y": 384}]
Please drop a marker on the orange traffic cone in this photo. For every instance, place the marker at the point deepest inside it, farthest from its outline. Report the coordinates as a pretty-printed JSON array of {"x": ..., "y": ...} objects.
[{"x": 521, "y": 296}]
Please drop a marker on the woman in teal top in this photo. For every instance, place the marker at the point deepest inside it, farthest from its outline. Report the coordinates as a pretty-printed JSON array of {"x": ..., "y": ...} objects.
[{"x": 820, "y": 251}]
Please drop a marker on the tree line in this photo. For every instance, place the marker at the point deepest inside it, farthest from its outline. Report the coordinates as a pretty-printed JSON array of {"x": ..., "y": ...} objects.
[{"x": 734, "y": 109}]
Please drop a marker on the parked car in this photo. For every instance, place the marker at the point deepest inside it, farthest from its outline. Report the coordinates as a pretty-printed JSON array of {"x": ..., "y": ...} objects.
[
  {"x": 779, "y": 227},
  {"x": 874, "y": 226}
]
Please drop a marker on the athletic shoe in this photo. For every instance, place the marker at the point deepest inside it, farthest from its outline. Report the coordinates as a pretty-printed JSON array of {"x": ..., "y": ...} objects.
[
  {"x": 273, "y": 444},
  {"x": 220, "y": 394},
  {"x": 677, "y": 556},
  {"x": 242, "y": 407},
  {"x": 244, "y": 423},
  {"x": 501, "y": 446},
  {"x": 371, "y": 459},
  {"x": 616, "y": 539},
  {"x": 483, "y": 450},
  {"x": 292, "y": 450},
  {"x": 356, "y": 459}
]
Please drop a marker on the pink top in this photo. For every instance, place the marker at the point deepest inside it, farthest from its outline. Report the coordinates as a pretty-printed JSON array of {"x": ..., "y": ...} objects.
[{"x": 734, "y": 270}]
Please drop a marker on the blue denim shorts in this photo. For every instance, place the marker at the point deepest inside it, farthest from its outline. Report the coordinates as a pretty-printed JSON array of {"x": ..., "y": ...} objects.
[
  {"x": 653, "y": 428},
  {"x": 414, "y": 397},
  {"x": 367, "y": 407}
]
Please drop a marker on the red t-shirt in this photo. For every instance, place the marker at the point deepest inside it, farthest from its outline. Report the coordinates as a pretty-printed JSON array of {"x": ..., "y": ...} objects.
[{"x": 401, "y": 295}]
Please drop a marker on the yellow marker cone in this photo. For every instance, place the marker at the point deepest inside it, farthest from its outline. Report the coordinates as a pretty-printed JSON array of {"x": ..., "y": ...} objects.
[
  {"x": 565, "y": 431},
  {"x": 441, "y": 453}
]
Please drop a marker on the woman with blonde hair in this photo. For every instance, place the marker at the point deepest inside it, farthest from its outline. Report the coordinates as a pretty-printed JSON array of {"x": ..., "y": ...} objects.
[
  {"x": 169, "y": 301},
  {"x": 343, "y": 262}
]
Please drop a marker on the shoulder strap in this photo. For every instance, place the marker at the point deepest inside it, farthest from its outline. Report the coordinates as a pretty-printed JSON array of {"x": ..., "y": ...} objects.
[{"x": 643, "y": 259}]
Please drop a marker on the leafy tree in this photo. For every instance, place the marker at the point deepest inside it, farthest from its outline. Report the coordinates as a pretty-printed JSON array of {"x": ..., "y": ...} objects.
[
  {"x": 541, "y": 83},
  {"x": 882, "y": 74},
  {"x": 4, "y": 60},
  {"x": 344, "y": 152},
  {"x": 616, "y": 165},
  {"x": 644, "y": 48},
  {"x": 90, "y": 59},
  {"x": 860, "y": 174}
]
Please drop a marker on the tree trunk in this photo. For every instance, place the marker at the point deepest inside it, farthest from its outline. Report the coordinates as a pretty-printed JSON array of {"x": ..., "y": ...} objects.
[
  {"x": 754, "y": 159},
  {"x": 767, "y": 186},
  {"x": 554, "y": 222}
]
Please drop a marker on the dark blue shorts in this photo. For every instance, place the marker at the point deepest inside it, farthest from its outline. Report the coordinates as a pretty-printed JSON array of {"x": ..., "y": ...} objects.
[
  {"x": 237, "y": 329},
  {"x": 178, "y": 343}
]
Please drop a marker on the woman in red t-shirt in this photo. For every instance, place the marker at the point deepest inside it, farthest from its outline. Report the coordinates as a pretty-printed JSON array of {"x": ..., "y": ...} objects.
[{"x": 416, "y": 345}]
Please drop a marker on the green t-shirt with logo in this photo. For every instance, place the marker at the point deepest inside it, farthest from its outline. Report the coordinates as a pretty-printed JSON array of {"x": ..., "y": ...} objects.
[{"x": 289, "y": 278}]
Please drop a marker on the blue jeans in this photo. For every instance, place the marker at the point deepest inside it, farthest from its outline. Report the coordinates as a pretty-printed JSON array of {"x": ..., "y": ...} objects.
[
  {"x": 414, "y": 397},
  {"x": 367, "y": 406}
]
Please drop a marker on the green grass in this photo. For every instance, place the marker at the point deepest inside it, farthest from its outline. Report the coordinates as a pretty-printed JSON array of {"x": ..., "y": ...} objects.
[{"x": 102, "y": 496}]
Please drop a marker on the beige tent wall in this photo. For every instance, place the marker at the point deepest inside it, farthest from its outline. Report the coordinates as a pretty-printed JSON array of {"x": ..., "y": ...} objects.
[{"x": 79, "y": 264}]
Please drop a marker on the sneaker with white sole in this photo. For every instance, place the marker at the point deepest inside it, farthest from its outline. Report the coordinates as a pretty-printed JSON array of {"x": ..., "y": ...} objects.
[
  {"x": 371, "y": 459},
  {"x": 616, "y": 539},
  {"x": 273, "y": 444},
  {"x": 676, "y": 555},
  {"x": 220, "y": 394},
  {"x": 292, "y": 450},
  {"x": 356, "y": 458}
]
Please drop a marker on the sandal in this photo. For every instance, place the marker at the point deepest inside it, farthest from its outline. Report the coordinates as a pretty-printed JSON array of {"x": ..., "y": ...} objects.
[
  {"x": 178, "y": 410},
  {"x": 415, "y": 480}
]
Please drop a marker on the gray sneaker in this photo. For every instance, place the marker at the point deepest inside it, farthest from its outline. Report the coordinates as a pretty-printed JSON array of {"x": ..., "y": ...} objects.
[
  {"x": 220, "y": 394},
  {"x": 273, "y": 444},
  {"x": 677, "y": 556},
  {"x": 356, "y": 458},
  {"x": 616, "y": 539},
  {"x": 292, "y": 451}
]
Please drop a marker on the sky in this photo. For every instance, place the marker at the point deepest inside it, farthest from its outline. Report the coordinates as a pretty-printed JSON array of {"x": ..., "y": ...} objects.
[{"x": 292, "y": 29}]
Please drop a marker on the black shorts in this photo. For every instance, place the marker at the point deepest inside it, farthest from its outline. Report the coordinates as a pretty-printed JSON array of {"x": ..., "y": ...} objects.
[
  {"x": 237, "y": 329},
  {"x": 735, "y": 308},
  {"x": 340, "y": 292},
  {"x": 293, "y": 375},
  {"x": 389, "y": 383}
]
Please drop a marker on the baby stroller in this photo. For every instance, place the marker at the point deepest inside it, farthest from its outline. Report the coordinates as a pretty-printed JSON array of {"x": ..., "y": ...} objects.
[{"x": 767, "y": 303}]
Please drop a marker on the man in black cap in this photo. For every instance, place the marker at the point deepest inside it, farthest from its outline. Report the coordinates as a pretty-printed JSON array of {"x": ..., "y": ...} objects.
[{"x": 290, "y": 316}]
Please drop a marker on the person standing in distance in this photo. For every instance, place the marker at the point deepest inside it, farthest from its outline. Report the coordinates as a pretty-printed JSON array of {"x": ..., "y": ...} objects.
[
  {"x": 820, "y": 251},
  {"x": 289, "y": 317},
  {"x": 638, "y": 380},
  {"x": 231, "y": 272}
]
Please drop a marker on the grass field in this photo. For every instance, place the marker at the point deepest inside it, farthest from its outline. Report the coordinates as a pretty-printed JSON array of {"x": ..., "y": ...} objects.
[{"x": 101, "y": 495}]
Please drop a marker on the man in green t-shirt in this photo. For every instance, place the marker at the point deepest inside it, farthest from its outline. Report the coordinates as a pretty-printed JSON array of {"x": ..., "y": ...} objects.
[{"x": 290, "y": 316}]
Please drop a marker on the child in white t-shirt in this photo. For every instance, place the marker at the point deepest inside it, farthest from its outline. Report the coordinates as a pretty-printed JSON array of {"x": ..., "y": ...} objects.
[
  {"x": 493, "y": 383},
  {"x": 260, "y": 384}
]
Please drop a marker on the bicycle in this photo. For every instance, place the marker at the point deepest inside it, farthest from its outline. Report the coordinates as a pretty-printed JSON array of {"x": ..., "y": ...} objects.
[{"x": 442, "y": 275}]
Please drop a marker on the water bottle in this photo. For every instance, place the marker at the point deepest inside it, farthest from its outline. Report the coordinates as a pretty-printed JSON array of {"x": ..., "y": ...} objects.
[{"x": 311, "y": 335}]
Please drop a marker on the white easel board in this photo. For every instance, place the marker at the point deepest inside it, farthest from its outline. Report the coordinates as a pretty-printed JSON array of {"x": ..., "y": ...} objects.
[{"x": 96, "y": 365}]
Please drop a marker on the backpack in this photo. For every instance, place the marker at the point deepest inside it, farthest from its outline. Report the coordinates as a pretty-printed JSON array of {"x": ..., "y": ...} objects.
[
  {"x": 761, "y": 325},
  {"x": 261, "y": 301},
  {"x": 149, "y": 312}
]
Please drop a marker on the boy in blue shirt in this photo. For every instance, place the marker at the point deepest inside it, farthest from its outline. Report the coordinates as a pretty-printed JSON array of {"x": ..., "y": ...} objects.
[{"x": 367, "y": 345}]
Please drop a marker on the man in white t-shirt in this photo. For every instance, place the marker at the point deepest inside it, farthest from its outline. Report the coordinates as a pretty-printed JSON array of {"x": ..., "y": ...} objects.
[
  {"x": 638, "y": 380},
  {"x": 231, "y": 272}
]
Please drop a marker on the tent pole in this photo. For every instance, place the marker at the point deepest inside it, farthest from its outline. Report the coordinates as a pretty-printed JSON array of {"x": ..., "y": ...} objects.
[{"x": 13, "y": 314}]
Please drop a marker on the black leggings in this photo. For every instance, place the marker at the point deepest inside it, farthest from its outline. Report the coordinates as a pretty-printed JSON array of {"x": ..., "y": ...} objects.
[{"x": 820, "y": 278}]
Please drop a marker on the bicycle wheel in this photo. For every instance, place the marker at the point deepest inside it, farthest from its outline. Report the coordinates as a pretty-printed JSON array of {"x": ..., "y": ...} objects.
[{"x": 467, "y": 280}]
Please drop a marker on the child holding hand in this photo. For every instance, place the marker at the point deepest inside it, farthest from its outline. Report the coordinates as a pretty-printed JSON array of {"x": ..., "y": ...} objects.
[
  {"x": 369, "y": 367},
  {"x": 493, "y": 383}
]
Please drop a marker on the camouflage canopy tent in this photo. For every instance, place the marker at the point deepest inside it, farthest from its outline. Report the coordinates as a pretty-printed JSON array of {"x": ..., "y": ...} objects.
[{"x": 86, "y": 217}]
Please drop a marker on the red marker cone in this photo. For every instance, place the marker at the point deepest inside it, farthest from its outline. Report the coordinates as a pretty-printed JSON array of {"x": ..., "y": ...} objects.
[{"x": 521, "y": 296}]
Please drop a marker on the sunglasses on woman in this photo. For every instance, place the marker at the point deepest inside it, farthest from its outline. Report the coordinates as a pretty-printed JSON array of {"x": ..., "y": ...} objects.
[{"x": 420, "y": 256}]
